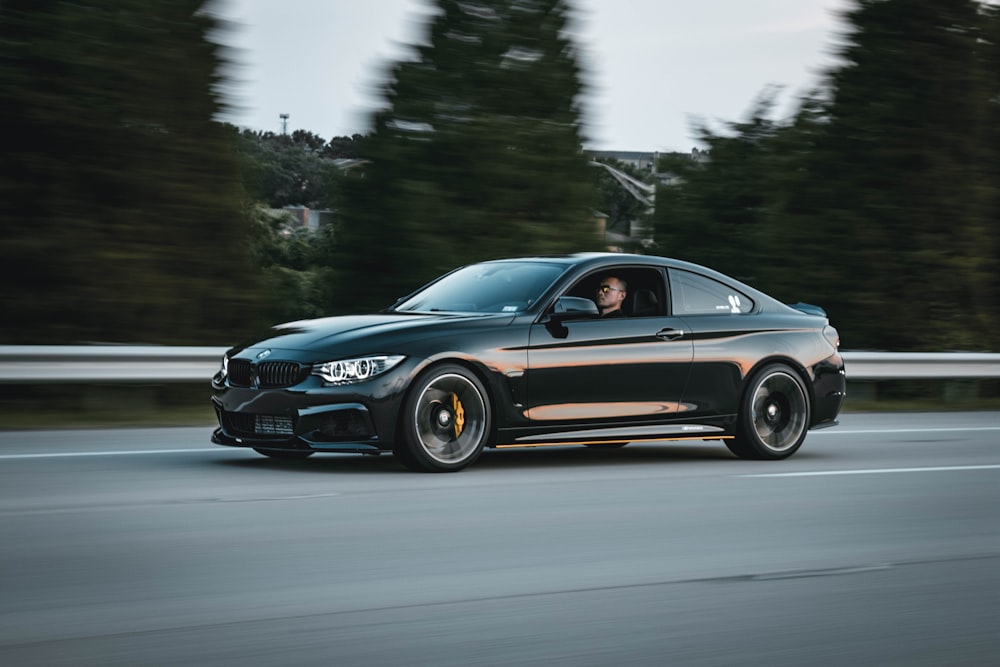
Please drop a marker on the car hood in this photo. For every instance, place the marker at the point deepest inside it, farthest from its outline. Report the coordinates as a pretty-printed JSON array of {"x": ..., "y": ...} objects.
[{"x": 368, "y": 333}]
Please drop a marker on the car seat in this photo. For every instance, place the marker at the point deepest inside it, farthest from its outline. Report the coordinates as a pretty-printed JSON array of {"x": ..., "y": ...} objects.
[{"x": 644, "y": 302}]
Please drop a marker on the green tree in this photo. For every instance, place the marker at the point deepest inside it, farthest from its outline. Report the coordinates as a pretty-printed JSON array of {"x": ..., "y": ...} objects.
[
  {"x": 292, "y": 264},
  {"x": 988, "y": 56},
  {"x": 878, "y": 198},
  {"x": 477, "y": 153},
  {"x": 718, "y": 213},
  {"x": 894, "y": 188},
  {"x": 281, "y": 170},
  {"x": 345, "y": 148},
  {"x": 299, "y": 169},
  {"x": 120, "y": 197}
]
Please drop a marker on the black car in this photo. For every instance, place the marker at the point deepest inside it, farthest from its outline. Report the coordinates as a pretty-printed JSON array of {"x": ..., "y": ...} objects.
[{"x": 513, "y": 353}]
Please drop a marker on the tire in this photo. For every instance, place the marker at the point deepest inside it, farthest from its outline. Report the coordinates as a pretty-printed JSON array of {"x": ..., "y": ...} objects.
[
  {"x": 445, "y": 421},
  {"x": 774, "y": 415},
  {"x": 284, "y": 454}
]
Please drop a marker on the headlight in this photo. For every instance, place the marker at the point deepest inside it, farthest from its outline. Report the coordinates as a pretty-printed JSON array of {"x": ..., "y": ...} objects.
[
  {"x": 347, "y": 371},
  {"x": 223, "y": 372},
  {"x": 832, "y": 335}
]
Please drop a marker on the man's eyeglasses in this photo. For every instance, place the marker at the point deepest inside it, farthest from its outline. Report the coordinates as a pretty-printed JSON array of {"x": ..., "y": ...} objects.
[{"x": 604, "y": 289}]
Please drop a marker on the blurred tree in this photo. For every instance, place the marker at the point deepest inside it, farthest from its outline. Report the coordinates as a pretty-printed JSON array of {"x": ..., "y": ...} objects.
[
  {"x": 477, "y": 153},
  {"x": 719, "y": 212},
  {"x": 120, "y": 197},
  {"x": 281, "y": 170},
  {"x": 989, "y": 56},
  {"x": 293, "y": 265},
  {"x": 878, "y": 199},
  {"x": 894, "y": 187}
]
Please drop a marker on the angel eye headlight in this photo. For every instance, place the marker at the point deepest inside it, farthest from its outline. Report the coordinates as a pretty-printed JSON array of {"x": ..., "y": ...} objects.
[
  {"x": 223, "y": 372},
  {"x": 347, "y": 371}
]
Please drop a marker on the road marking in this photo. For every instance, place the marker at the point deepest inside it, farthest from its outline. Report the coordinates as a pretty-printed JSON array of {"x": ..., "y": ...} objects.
[
  {"x": 872, "y": 471},
  {"x": 820, "y": 432},
  {"x": 875, "y": 431},
  {"x": 61, "y": 455}
]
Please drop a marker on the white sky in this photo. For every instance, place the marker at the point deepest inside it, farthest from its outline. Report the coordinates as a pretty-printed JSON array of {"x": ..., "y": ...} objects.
[{"x": 653, "y": 66}]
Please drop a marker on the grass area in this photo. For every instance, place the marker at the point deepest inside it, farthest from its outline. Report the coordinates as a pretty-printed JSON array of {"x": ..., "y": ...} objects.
[{"x": 103, "y": 406}]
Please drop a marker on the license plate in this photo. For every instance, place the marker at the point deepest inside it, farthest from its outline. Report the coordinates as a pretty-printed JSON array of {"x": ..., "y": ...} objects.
[{"x": 273, "y": 425}]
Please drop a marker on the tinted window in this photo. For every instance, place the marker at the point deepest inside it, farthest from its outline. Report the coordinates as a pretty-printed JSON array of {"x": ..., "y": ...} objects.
[
  {"x": 644, "y": 289},
  {"x": 694, "y": 294}
]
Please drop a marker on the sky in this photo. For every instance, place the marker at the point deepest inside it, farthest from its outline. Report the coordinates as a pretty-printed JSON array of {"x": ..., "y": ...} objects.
[{"x": 653, "y": 69}]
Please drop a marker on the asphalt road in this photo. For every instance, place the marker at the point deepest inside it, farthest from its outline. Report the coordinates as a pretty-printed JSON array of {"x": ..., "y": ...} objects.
[{"x": 877, "y": 544}]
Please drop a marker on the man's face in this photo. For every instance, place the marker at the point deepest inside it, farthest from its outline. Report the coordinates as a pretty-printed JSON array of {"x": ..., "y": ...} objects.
[{"x": 609, "y": 294}]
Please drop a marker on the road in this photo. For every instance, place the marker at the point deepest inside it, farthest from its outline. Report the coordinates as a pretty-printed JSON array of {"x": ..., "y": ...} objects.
[{"x": 877, "y": 544}]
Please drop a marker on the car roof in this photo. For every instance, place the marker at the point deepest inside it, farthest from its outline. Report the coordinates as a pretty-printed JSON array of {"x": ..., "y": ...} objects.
[{"x": 598, "y": 259}]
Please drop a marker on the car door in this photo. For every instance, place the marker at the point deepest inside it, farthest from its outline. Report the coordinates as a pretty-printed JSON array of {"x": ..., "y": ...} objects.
[
  {"x": 722, "y": 324},
  {"x": 609, "y": 371}
]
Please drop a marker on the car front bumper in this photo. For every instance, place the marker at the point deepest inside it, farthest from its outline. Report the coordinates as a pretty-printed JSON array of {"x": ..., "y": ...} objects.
[
  {"x": 346, "y": 427},
  {"x": 311, "y": 416}
]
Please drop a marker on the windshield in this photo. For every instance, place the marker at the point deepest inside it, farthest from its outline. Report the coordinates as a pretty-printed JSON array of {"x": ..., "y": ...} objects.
[{"x": 490, "y": 287}]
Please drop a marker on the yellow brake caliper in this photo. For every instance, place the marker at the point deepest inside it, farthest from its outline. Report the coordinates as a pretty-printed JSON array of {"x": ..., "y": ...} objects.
[{"x": 459, "y": 414}]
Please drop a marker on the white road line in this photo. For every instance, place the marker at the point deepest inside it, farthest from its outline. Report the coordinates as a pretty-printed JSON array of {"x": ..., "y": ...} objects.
[
  {"x": 874, "y": 431},
  {"x": 62, "y": 455},
  {"x": 872, "y": 471},
  {"x": 821, "y": 432}
]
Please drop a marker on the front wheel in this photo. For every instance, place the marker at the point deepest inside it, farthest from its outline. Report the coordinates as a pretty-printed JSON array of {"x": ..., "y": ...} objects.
[
  {"x": 445, "y": 421},
  {"x": 774, "y": 415}
]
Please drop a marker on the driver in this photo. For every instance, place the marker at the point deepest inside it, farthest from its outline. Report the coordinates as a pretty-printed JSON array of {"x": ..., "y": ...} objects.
[{"x": 610, "y": 295}]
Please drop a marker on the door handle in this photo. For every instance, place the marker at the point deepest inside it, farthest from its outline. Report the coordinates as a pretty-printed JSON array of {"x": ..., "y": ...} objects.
[{"x": 669, "y": 334}]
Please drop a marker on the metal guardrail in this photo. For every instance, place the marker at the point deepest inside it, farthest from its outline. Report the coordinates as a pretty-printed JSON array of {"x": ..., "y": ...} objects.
[
  {"x": 921, "y": 365},
  {"x": 35, "y": 364},
  {"x": 38, "y": 364}
]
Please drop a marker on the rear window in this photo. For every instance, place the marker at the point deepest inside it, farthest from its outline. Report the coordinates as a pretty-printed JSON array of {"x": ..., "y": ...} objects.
[{"x": 694, "y": 294}]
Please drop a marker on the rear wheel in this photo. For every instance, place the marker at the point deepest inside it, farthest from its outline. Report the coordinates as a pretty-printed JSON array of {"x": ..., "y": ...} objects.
[
  {"x": 284, "y": 454},
  {"x": 445, "y": 421},
  {"x": 774, "y": 415}
]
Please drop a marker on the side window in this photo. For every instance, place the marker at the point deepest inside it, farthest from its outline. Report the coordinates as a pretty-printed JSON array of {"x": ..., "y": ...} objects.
[
  {"x": 644, "y": 295},
  {"x": 693, "y": 294}
]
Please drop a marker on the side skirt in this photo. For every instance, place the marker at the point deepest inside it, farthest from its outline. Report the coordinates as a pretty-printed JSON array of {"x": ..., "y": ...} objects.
[{"x": 563, "y": 443}]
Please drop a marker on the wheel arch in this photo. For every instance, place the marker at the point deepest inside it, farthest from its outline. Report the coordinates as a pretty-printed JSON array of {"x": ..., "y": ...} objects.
[
  {"x": 800, "y": 370},
  {"x": 470, "y": 365},
  {"x": 772, "y": 433}
]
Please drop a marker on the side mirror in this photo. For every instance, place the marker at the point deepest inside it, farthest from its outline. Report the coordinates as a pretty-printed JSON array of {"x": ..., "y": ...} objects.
[{"x": 573, "y": 308}]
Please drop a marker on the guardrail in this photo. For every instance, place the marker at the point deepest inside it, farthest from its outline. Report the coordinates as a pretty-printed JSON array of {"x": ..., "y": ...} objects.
[
  {"x": 921, "y": 365},
  {"x": 34, "y": 364}
]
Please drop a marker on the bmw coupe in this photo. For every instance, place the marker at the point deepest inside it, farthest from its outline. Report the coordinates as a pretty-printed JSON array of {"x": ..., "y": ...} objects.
[{"x": 514, "y": 353}]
